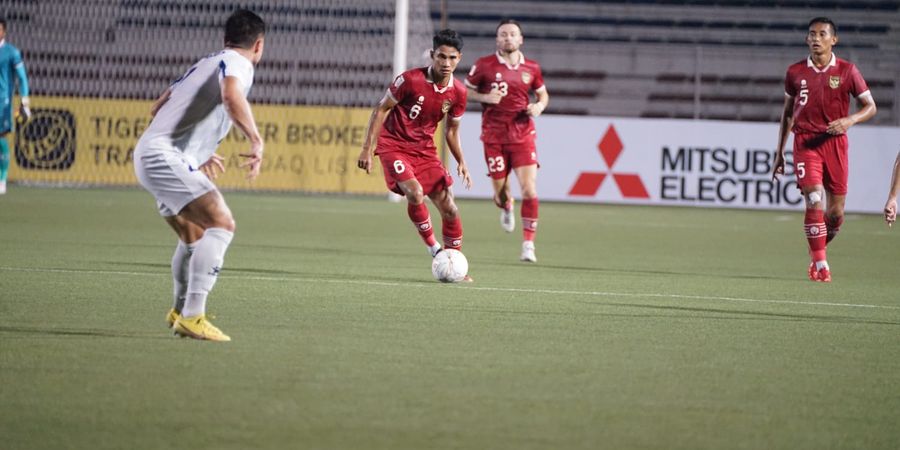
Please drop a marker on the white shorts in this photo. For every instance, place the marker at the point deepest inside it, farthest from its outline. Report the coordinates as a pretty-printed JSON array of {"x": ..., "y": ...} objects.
[{"x": 171, "y": 177}]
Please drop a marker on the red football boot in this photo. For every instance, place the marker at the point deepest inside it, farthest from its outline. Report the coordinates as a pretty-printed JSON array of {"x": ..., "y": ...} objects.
[{"x": 824, "y": 275}]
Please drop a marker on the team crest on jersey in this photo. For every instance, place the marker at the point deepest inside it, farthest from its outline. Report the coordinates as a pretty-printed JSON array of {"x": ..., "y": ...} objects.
[
  {"x": 445, "y": 107},
  {"x": 834, "y": 82},
  {"x": 526, "y": 77}
]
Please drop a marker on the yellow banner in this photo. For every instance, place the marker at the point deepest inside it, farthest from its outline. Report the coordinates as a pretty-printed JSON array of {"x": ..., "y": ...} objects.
[{"x": 91, "y": 141}]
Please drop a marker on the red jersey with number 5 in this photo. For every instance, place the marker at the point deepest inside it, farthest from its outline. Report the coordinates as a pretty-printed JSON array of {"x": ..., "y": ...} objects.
[
  {"x": 822, "y": 96},
  {"x": 507, "y": 122},
  {"x": 421, "y": 105}
]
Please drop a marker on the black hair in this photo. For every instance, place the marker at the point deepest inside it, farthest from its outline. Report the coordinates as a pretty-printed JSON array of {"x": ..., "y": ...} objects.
[
  {"x": 509, "y": 21},
  {"x": 826, "y": 21},
  {"x": 243, "y": 28},
  {"x": 3, "y": 22},
  {"x": 449, "y": 38}
]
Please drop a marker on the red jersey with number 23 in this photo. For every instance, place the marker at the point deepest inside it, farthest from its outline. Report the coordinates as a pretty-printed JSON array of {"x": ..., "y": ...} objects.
[
  {"x": 421, "y": 105},
  {"x": 507, "y": 122},
  {"x": 822, "y": 95}
]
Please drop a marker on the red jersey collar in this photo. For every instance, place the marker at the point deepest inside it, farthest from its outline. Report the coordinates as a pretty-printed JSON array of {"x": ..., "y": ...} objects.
[
  {"x": 832, "y": 63},
  {"x": 513, "y": 67},
  {"x": 430, "y": 79}
]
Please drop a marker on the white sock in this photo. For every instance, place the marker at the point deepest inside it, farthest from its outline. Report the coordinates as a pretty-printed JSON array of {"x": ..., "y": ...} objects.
[
  {"x": 180, "y": 263},
  {"x": 206, "y": 262}
]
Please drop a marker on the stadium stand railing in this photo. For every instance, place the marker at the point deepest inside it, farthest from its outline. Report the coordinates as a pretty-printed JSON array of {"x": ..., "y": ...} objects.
[
  {"x": 701, "y": 59},
  {"x": 632, "y": 58}
]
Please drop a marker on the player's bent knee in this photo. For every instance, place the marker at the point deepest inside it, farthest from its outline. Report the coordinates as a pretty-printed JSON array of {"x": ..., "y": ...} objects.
[
  {"x": 226, "y": 223},
  {"x": 814, "y": 199},
  {"x": 450, "y": 212},
  {"x": 416, "y": 197}
]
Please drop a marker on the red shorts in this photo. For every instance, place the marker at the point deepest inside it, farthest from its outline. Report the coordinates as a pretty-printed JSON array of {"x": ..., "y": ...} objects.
[
  {"x": 502, "y": 158},
  {"x": 822, "y": 159},
  {"x": 428, "y": 170}
]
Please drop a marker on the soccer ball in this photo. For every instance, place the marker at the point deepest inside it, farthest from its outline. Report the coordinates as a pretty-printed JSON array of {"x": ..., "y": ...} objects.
[{"x": 449, "y": 266}]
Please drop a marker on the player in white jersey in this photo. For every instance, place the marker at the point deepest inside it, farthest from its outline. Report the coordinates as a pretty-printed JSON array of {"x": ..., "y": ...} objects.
[{"x": 175, "y": 160}]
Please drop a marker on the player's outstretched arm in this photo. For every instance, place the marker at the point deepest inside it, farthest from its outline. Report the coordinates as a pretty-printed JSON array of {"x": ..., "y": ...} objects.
[
  {"x": 867, "y": 110},
  {"x": 452, "y": 135},
  {"x": 376, "y": 121},
  {"x": 784, "y": 130},
  {"x": 543, "y": 99},
  {"x": 238, "y": 108},
  {"x": 890, "y": 208}
]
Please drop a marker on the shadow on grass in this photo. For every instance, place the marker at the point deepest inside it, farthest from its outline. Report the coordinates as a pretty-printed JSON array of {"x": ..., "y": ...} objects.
[
  {"x": 233, "y": 270},
  {"x": 80, "y": 332},
  {"x": 752, "y": 315},
  {"x": 225, "y": 270},
  {"x": 638, "y": 272},
  {"x": 699, "y": 313}
]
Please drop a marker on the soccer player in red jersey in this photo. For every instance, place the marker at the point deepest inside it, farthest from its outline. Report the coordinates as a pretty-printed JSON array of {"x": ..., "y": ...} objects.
[
  {"x": 401, "y": 132},
  {"x": 816, "y": 108},
  {"x": 502, "y": 82}
]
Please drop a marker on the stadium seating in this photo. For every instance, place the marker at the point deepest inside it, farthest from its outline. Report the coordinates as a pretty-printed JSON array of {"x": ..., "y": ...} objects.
[
  {"x": 697, "y": 59},
  {"x": 711, "y": 59}
]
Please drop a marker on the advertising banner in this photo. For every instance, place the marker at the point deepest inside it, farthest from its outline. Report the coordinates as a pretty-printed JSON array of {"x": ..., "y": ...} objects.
[
  {"x": 679, "y": 162},
  {"x": 91, "y": 142},
  {"x": 80, "y": 141}
]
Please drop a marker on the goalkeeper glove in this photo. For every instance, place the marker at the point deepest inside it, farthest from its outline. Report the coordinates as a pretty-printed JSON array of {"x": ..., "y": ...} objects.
[{"x": 25, "y": 108}]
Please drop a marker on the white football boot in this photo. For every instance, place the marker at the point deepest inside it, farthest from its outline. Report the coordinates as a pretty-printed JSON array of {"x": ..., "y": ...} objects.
[{"x": 528, "y": 252}]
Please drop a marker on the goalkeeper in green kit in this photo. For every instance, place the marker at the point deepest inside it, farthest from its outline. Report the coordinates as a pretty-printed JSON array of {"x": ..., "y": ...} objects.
[{"x": 10, "y": 64}]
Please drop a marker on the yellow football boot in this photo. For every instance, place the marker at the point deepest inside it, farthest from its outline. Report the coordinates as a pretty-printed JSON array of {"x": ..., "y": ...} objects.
[
  {"x": 198, "y": 327},
  {"x": 171, "y": 317}
]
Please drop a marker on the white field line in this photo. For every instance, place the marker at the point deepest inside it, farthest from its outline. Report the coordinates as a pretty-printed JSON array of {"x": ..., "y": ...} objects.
[{"x": 470, "y": 287}]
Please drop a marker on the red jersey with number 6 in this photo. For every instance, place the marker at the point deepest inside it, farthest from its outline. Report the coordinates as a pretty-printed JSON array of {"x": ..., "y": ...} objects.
[
  {"x": 507, "y": 122},
  {"x": 822, "y": 95},
  {"x": 421, "y": 105}
]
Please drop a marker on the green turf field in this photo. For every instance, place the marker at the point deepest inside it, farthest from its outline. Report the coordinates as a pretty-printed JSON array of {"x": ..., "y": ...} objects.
[{"x": 639, "y": 327}]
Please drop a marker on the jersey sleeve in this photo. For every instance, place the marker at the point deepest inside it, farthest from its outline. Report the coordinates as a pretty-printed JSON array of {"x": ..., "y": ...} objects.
[
  {"x": 858, "y": 85},
  {"x": 473, "y": 79},
  {"x": 234, "y": 65},
  {"x": 789, "y": 88},
  {"x": 19, "y": 68},
  {"x": 538, "y": 82},
  {"x": 398, "y": 88},
  {"x": 459, "y": 107}
]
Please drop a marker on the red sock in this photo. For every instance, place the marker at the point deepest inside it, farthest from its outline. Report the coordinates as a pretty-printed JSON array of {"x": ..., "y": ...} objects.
[
  {"x": 453, "y": 233},
  {"x": 422, "y": 220},
  {"x": 833, "y": 225},
  {"x": 529, "y": 218},
  {"x": 814, "y": 226}
]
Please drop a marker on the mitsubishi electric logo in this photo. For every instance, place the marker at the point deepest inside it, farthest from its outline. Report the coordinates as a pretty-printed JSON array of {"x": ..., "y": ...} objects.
[{"x": 630, "y": 184}]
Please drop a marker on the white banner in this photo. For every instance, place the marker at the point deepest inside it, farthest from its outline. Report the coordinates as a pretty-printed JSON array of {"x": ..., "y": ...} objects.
[{"x": 678, "y": 162}]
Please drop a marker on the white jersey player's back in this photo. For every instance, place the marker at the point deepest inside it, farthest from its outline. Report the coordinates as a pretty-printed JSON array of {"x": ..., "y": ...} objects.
[{"x": 193, "y": 120}]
